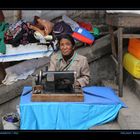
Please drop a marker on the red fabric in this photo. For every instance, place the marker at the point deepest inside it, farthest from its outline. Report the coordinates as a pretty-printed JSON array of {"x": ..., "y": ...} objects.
[
  {"x": 82, "y": 38},
  {"x": 85, "y": 25}
]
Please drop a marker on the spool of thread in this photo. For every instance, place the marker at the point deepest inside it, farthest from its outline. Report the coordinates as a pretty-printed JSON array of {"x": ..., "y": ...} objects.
[{"x": 48, "y": 37}]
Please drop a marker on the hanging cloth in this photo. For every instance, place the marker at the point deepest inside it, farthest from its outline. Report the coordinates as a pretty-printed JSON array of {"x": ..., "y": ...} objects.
[{"x": 3, "y": 28}]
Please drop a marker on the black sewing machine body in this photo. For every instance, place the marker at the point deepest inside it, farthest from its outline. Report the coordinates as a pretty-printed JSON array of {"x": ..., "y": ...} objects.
[
  {"x": 55, "y": 82},
  {"x": 54, "y": 86}
]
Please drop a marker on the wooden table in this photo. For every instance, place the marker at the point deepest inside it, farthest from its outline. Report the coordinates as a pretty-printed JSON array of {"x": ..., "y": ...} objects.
[
  {"x": 121, "y": 21},
  {"x": 76, "y": 96}
]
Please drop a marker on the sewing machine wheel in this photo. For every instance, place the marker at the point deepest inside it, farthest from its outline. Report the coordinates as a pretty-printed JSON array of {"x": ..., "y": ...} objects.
[{"x": 40, "y": 76}]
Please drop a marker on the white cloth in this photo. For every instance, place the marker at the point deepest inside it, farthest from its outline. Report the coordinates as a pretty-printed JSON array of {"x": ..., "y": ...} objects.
[
  {"x": 23, "y": 70},
  {"x": 25, "y": 52},
  {"x": 13, "y": 77},
  {"x": 70, "y": 22},
  {"x": 39, "y": 37}
]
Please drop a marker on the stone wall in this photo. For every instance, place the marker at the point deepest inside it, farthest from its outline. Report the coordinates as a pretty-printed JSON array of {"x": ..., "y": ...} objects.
[
  {"x": 11, "y": 16},
  {"x": 94, "y": 15},
  {"x": 102, "y": 69}
]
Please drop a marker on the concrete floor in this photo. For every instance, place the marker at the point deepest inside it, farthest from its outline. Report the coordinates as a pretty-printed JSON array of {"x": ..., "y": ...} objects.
[
  {"x": 129, "y": 118},
  {"x": 108, "y": 126}
]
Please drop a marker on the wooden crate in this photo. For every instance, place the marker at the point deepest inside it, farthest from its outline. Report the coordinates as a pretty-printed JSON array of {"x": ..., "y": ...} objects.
[{"x": 77, "y": 96}]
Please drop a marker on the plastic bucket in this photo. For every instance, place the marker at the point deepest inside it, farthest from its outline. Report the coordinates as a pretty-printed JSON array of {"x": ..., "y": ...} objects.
[{"x": 10, "y": 121}]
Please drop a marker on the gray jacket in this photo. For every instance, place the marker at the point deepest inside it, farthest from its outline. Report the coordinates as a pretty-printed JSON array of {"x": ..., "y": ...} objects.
[{"x": 78, "y": 63}]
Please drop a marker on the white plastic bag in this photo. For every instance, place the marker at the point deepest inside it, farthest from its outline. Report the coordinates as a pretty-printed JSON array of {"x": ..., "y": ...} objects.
[
  {"x": 11, "y": 121},
  {"x": 70, "y": 22}
]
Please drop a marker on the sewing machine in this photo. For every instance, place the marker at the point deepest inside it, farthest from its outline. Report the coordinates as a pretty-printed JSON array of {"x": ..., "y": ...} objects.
[{"x": 56, "y": 86}]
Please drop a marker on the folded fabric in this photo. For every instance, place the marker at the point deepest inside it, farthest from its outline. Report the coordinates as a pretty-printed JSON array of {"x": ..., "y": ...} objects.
[
  {"x": 86, "y": 25},
  {"x": 83, "y": 35},
  {"x": 25, "y": 52},
  {"x": 70, "y": 22}
]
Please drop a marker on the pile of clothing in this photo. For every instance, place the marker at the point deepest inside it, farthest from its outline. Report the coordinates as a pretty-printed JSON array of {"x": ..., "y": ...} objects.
[
  {"x": 19, "y": 33},
  {"x": 46, "y": 30},
  {"x": 48, "y": 33}
]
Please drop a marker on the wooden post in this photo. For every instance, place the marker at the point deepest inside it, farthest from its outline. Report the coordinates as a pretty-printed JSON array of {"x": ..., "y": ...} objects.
[
  {"x": 113, "y": 47},
  {"x": 120, "y": 55}
]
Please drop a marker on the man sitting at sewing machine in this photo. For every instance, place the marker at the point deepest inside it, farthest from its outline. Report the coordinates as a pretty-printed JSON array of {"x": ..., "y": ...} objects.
[{"x": 68, "y": 59}]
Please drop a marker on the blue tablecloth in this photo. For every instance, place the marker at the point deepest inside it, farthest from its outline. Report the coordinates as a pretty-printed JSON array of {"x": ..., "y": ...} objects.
[{"x": 100, "y": 106}]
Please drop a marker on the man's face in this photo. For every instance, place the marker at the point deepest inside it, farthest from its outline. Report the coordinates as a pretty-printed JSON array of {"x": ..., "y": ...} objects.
[{"x": 66, "y": 47}]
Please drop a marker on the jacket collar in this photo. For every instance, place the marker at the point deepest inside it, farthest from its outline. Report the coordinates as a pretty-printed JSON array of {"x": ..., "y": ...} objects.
[{"x": 60, "y": 57}]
